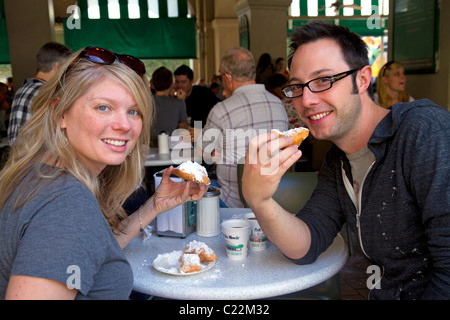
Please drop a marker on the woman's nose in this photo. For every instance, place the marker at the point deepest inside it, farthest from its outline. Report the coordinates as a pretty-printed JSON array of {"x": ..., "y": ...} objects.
[{"x": 122, "y": 122}]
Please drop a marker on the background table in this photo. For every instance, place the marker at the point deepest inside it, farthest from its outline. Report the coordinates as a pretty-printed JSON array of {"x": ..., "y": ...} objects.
[
  {"x": 174, "y": 157},
  {"x": 261, "y": 275}
]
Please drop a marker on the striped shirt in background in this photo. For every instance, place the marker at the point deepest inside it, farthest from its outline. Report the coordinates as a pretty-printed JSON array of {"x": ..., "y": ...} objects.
[{"x": 21, "y": 106}]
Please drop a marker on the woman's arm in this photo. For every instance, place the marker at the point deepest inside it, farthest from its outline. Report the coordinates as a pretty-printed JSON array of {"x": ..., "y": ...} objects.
[{"x": 34, "y": 288}]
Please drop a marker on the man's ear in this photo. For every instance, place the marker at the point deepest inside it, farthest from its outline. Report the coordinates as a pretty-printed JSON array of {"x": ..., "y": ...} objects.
[
  {"x": 363, "y": 80},
  {"x": 56, "y": 66}
]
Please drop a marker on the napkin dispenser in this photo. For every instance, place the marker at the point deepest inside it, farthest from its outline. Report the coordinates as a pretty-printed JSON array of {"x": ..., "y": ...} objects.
[{"x": 181, "y": 220}]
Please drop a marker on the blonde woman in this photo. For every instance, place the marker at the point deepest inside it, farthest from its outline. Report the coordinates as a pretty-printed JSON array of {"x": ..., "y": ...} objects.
[
  {"x": 79, "y": 157},
  {"x": 391, "y": 84}
]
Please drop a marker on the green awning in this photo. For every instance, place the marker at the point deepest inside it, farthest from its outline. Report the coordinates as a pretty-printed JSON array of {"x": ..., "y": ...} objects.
[
  {"x": 4, "y": 46},
  {"x": 144, "y": 38}
]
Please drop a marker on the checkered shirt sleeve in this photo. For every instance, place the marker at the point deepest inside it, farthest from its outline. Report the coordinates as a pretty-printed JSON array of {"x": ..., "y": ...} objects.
[{"x": 21, "y": 106}]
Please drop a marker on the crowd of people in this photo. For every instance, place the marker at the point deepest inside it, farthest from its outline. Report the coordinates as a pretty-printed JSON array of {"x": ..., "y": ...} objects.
[{"x": 80, "y": 129}]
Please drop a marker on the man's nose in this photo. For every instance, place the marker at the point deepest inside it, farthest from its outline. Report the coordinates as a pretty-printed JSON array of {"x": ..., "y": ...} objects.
[{"x": 308, "y": 97}]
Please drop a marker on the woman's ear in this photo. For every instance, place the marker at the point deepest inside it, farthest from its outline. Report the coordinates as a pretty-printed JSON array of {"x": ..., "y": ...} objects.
[{"x": 54, "y": 103}]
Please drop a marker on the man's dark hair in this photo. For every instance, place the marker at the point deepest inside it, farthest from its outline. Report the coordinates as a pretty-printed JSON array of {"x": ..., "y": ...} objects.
[
  {"x": 49, "y": 54},
  {"x": 162, "y": 79},
  {"x": 353, "y": 48},
  {"x": 184, "y": 70}
]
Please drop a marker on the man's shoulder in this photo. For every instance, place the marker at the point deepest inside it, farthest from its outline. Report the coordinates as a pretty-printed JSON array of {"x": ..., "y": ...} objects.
[
  {"x": 422, "y": 112},
  {"x": 260, "y": 90},
  {"x": 30, "y": 83},
  {"x": 201, "y": 91},
  {"x": 201, "y": 95},
  {"x": 29, "y": 87}
]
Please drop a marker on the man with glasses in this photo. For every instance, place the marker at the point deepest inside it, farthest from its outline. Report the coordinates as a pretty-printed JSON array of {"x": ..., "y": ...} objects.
[{"x": 387, "y": 174}]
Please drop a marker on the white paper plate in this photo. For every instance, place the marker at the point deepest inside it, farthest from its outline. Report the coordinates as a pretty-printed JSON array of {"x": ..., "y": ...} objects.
[{"x": 168, "y": 263}]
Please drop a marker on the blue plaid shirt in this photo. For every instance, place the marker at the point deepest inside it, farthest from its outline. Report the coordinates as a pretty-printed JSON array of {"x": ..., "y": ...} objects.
[{"x": 21, "y": 106}]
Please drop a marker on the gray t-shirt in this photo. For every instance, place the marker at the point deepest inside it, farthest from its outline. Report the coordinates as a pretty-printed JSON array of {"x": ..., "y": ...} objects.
[
  {"x": 61, "y": 234},
  {"x": 360, "y": 163}
]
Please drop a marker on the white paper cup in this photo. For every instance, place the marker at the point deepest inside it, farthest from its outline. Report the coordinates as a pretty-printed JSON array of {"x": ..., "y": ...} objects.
[
  {"x": 258, "y": 240},
  {"x": 236, "y": 233},
  {"x": 163, "y": 144}
]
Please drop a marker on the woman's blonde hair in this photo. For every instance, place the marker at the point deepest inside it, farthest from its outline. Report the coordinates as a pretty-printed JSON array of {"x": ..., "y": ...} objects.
[
  {"x": 383, "y": 95},
  {"x": 41, "y": 140}
]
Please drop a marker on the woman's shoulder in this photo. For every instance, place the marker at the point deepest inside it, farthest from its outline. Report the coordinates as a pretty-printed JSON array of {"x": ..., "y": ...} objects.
[{"x": 62, "y": 196}]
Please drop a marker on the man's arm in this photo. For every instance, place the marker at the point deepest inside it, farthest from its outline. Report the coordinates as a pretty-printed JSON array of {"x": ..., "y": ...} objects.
[{"x": 263, "y": 170}]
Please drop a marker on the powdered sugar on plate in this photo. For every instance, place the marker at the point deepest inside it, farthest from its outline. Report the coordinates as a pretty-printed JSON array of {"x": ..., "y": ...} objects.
[{"x": 170, "y": 263}]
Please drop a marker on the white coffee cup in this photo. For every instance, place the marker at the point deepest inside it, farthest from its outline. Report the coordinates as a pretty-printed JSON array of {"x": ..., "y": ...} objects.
[
  {"x": 258, "y": 240},
  {"x": 236, "y": 233}
]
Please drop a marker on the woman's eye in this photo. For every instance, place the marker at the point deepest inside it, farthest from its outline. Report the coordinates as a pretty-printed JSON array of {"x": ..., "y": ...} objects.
[
  {"x": 135, "y": 112},
  {"x": 103, "y": 108}
]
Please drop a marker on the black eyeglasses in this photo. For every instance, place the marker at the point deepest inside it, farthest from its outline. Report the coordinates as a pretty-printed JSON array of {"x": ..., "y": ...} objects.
[
  {"x": 105, "y": 56},
  {"x": 315, "y": 85}
]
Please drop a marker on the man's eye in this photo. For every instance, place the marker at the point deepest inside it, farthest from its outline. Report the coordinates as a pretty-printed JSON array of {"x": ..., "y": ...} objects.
[{"x": 323, "y": 80}]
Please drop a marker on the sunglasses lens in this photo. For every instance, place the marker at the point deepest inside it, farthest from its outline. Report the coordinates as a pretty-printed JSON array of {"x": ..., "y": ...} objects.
[
  {"x": 99, "y": 55},
  {"x": 104, "y": 56},
  {"x": 134, "y": 63}
]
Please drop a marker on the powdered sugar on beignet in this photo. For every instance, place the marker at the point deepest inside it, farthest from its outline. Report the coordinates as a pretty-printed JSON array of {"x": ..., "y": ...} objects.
[{"x": 192, "y": 171}]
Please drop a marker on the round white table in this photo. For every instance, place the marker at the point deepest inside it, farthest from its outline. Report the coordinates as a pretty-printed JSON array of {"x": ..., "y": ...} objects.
[{"x": 262, "y": 274}]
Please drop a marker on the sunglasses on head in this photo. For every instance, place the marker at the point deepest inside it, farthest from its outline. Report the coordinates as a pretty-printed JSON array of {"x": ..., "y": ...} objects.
[
  {"x": 387, "y": 66},
  {"x": 105, "y": 56}
]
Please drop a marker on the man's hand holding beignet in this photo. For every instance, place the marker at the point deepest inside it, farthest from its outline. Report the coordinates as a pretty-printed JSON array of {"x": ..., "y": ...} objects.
[{"x": 268, "y": 158}]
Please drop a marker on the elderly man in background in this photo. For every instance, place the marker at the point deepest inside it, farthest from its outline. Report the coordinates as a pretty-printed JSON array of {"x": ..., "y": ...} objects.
[{"x": 249, "y": 110}]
